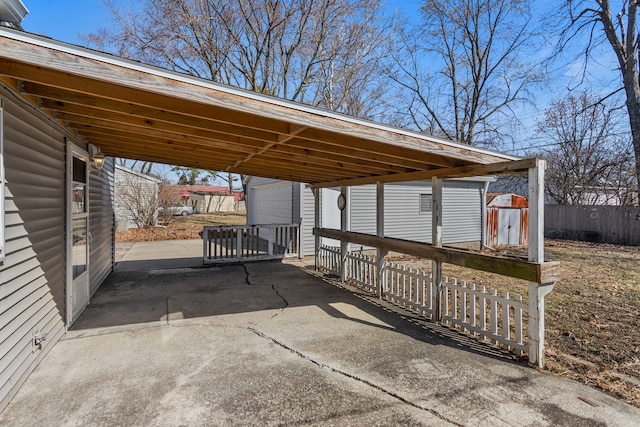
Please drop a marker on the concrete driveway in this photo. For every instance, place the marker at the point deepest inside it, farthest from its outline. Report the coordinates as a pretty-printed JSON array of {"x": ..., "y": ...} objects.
[{"x": 274, "y": 344}]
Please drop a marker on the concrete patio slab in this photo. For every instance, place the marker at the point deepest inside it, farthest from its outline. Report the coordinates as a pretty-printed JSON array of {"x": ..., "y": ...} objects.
[{"x": 272, "y": 343}]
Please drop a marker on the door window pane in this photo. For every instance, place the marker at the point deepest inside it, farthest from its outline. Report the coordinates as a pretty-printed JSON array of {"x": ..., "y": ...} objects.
[
  {"x": 78, "y": 195},
  {"x": 79, "y": 252}
]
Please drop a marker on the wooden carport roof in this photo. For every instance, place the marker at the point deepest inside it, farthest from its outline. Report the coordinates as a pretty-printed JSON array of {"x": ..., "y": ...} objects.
[{"x": 136, "y": 111}]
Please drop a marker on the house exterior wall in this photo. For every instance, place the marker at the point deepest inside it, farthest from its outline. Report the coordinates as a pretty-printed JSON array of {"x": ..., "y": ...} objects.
[
  {"x": 32, "y": 292},
  {"x": 101, "y": 224},
  {"x": 216, "y": 203},
  {"x": 308, "y": 221},
  {"x": 33, "y": 273}
]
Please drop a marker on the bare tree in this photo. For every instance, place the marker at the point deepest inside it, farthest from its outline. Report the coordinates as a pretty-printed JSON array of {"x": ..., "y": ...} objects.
[
  {"x": 285, "y": 48},
  {"x": 464, "y": 66},
  {"x": 592, "y": 23},
  {"x": 137, "y": 165},
  {"x": 138, "y": 199},
  {"x": 585, "y": 163}
]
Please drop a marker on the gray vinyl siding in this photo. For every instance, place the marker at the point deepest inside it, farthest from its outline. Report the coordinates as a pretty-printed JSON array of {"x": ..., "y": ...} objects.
[
  {"x": 295, "y": 203},
  {"x": 32, "y": 293},
  {"x": 363, "y": 211},
  {"x": 101, "y": 224},
  {"x": 402, "y": 216},
  {"x": 462, "y": 212},
  {"x": 308, "y": 221}
]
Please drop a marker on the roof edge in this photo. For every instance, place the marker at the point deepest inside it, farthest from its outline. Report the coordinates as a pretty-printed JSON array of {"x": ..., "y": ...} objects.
[{"x": 185, "y": 78}]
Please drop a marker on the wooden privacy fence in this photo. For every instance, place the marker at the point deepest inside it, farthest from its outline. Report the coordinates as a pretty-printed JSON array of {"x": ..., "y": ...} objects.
[
  {"x": 604, "y": 224},
  {"x": 249, "y": 242},
  {"x": 481, "y": 312}
]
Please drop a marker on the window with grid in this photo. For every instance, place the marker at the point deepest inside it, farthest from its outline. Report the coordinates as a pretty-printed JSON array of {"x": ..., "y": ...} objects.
[{"x": 426, "y": 203}]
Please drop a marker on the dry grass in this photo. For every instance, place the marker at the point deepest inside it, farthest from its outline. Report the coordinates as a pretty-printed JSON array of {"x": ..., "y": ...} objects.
[{"x": 181, "y": 228}]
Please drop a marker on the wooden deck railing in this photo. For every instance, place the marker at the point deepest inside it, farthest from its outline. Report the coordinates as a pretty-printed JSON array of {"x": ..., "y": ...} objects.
[{"x": 249, "y": 242}]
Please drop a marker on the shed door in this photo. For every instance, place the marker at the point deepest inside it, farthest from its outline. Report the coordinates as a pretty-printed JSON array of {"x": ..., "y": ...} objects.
[{"x": 508, "y": 226}]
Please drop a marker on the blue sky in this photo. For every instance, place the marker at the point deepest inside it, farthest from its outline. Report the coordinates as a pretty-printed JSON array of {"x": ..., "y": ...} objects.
[{"x": 65, "y": 20}]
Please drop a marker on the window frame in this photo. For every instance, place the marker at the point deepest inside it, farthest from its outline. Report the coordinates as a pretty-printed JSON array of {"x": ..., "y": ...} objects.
[{"x": 422, "y": 196}]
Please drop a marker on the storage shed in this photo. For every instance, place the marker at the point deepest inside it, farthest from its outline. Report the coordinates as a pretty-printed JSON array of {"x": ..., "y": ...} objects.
[
  {"x": 407, "y": 209},
  {"x": 507, "y": 219}
]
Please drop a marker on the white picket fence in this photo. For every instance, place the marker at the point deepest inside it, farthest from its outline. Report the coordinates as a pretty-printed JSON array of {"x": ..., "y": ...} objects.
[
  {"x": 481, "y": 312},
  {"x": 249, "y": 242},
  {"x": 485, "y": 313}
]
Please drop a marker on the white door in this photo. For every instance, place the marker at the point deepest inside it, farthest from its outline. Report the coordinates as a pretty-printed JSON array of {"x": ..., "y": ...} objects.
[
  {"x": 77, "y": 233},
  {"x": 508, "y": 226}
]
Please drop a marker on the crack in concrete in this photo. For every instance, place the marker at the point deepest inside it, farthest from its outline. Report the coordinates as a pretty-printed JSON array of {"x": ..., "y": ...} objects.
[
  {"x": 248, "y": 282},
  {"x": 286, "y": 303},
  {"x": 246, "y": 274},
  {"x": 353, "y": 377}
]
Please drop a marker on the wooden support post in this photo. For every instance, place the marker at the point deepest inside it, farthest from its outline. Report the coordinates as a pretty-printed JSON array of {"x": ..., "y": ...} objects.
[
  {"x": 344, "y": 226},
  {"x": 239, "y": 245},
  {"x": 317, "y": 223},
  {"x": 436, "y": 240},
  {"x": 537, "y": 291},
  {"x": 381, "y": 273},
  {"x": 206, "y": 245}
]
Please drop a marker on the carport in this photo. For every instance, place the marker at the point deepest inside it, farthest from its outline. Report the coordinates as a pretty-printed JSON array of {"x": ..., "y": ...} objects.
[
  {"x": 131, "y": 110},
  {"x": 127, "y": 109}
]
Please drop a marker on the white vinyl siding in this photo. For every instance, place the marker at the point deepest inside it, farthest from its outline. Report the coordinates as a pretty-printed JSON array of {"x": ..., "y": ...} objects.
[
  {"x": 272, "y": 204},
  {"x": 101, "y": 224},
  {"x": 32, "y": 293}
]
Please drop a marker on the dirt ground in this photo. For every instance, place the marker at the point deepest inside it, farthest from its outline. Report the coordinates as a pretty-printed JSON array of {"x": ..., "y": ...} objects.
[{"x": 592, "y": 315}]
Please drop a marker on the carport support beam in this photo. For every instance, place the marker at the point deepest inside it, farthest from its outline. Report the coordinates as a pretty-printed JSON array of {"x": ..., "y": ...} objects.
[
  {"x": 344, "y": 226},
  {"x": 537, "y": 291},
  {"x": 436, "y": 241},
  {"x": 381, "y": 272},
  {"x": 318, "y": 223}
]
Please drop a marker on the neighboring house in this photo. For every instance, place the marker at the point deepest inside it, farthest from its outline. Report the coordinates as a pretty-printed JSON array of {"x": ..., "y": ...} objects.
[
  {"x": 208, "y": 198},
  {"x": 608, "y": 195},
  {"x": 136, "y": 199},
  {"x": 507, "y": 219},
  {"x": 407, "y": 210}
]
